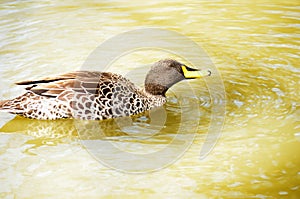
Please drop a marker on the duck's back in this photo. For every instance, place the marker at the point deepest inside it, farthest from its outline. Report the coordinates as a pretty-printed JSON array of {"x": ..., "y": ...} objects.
[{"x": 81, "y": 94}]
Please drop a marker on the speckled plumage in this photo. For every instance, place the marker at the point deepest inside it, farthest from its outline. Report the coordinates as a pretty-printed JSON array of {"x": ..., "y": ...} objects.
[
  {"x": 94, "y": 95},
  {"x": 84, "y": 95}
]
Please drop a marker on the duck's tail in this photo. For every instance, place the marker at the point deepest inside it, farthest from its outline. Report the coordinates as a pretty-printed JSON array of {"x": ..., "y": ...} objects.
[
  {"x": 35, "y": 106},
  {"x": 3, "y": 104},
  {"x": 10, "y": 106}
]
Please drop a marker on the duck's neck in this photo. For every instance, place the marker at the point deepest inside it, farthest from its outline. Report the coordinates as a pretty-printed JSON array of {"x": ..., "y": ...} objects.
[
  {"x": 154, "y": 100},
  {"x": 156, "y": 89}
]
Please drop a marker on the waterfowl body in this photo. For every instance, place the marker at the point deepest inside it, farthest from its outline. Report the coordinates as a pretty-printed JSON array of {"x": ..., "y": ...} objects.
[{"x": 96, "y": 95}]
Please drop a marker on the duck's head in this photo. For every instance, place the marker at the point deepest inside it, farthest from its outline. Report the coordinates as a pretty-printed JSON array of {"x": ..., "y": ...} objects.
[{"x": 165, "y": 73}]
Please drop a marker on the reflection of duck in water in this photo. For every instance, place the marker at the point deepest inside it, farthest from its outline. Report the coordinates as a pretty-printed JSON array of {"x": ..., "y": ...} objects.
[
  {"x": 97, "y": 95},
  {"x": 93, "y": 129},
  {"x": 66, "y": 128}
]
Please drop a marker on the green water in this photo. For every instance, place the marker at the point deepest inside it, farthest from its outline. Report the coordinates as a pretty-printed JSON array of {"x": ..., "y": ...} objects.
[{"x": 255, "y": 47}]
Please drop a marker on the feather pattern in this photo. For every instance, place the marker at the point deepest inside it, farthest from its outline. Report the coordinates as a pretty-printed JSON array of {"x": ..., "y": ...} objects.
[{"x": 81, "y": 94}]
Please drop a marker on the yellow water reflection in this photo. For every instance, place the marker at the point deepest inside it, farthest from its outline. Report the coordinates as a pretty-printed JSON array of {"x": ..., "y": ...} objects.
[{"x": 255, "y": 46}]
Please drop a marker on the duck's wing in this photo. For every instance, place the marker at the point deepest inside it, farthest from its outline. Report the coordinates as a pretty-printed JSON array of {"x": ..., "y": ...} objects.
[{"x": 78, "y": 81}]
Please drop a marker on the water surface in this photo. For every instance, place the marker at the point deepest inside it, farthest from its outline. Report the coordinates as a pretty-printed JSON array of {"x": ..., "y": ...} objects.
[{"x": 255, "y": 47}]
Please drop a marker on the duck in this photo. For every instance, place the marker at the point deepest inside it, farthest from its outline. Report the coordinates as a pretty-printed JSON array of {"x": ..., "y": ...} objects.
[{"x": 94, "y": 95}]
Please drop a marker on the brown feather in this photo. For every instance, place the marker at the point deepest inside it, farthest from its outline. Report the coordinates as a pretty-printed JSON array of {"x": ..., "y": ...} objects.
[
  {"x": 79, "y": 81},
  {"x": 71, "y": 75}
]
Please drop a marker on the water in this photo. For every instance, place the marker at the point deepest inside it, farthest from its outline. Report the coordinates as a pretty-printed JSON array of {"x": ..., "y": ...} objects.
[{"x": 255, "y": 47}]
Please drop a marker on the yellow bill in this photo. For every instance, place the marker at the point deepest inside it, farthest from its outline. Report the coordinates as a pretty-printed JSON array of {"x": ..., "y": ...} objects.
[{"x": 191, "y": 74}]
